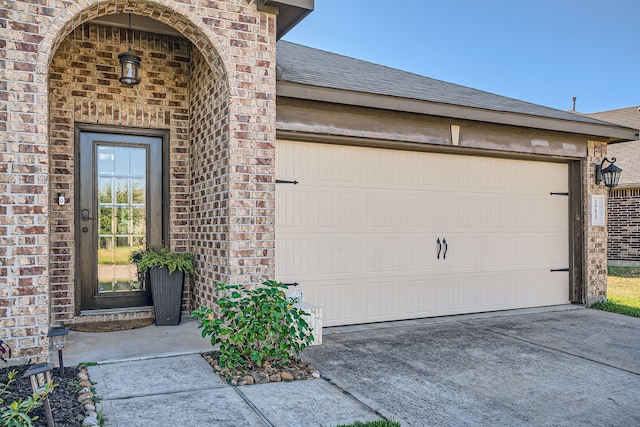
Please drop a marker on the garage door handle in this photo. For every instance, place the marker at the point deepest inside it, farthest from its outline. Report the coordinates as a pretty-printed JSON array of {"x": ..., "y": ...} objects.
[
  {"x": 446, "y": 247},
  {"x": 439, "y": 247}
]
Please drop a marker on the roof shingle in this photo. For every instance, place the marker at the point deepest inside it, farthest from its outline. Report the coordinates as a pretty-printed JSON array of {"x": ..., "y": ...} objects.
[{"x": 313, "y": 67}]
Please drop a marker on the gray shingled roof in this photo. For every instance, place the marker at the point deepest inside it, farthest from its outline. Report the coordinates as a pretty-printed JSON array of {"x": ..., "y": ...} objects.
[{"x": 313, "y": 67}]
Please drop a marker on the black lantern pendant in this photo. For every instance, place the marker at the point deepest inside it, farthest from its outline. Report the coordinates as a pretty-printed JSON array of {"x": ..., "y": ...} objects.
[
  {"x": 610, "y": 175},
  {"x": 129, "y": 64}
]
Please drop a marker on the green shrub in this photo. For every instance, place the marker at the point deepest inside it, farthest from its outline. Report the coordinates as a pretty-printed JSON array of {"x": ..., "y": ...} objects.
[
  {"x": 16, "y": 414},
  {"x": 181, "y": 261},
  {"x": 255, "y": 326}
]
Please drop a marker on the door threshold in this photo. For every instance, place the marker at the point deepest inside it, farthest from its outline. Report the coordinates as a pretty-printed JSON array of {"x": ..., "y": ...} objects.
[
  {"x": 111, "y": 311},
  {"x": 114, "y": 314}
]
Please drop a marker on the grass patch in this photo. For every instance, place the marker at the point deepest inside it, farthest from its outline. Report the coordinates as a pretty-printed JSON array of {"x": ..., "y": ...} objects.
[
  {"x": 622, "y": 287},
  {"x": 617, "y": 308},
  {"x": 623, "y": 292},
  {"x": 380, "y": 423}
]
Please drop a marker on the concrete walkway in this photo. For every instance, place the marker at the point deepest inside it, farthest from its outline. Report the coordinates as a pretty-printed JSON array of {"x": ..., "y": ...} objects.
[
  {"x": 559, "y": 366},
  {"x": 155, "y": 376}
]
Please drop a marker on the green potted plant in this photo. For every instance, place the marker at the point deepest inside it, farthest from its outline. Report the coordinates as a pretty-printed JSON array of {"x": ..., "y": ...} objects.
[{"x": 166, "y": 275}]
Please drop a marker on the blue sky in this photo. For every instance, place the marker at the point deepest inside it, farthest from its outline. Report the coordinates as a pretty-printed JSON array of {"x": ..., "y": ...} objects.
[{"x": 541, "y": 51}]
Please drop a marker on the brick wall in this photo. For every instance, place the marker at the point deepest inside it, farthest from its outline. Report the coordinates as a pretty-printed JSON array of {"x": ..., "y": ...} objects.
[
  {"x": 595, "y": 247},
  {"x": 236, "y": 41},
  {"x": 209, "y": 202},
  {"x": 623, "y": 209}
]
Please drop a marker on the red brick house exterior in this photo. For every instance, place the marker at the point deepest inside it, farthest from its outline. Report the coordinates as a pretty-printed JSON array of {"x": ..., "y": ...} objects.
[{"x": 208, "y": 93}]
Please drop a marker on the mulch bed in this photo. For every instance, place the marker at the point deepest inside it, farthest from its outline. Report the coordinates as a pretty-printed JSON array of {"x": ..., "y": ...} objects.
[{"x": 66, "y": 409}]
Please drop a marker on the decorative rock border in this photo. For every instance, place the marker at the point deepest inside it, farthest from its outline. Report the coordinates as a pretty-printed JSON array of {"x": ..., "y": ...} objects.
[
  {"x": 295, "y": 370},
  {"x": 85, "y": 397}
]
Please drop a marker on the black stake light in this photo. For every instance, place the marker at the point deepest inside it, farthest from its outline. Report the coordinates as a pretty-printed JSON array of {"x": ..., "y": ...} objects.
[
  {"x": 40, "y": 377},
  {"x": 129, "y": 63},
  {"x": 58, "y": 341},
  {"x": 610, "y": 175}
]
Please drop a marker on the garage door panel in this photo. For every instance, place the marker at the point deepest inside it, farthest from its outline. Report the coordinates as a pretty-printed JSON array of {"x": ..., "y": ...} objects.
[
  {"x": 420, "y": 297},
  {"x": 336, "y": 207},
  {"x": 336, "y": 300},
  {"x": 419, "y": 254},
  {"x": 293, "y": 258},
  {"x": 362, "y": 243},
  {"x": 422, "y": 211},
  {"x": 382, "y": 255},
  {"x": 296, "y": 162},
  {"x": 459, "y": 253},
  {"x": 540, "y": 288},
  {"x": 384, "y": 210},
  {"x": 380, "y": 175},
  {"x": 294, "y": 210},
  {"x": 382, "y": 300},
  {"x": 335, "y": 165},
  {"x": 335, "y": 256}
]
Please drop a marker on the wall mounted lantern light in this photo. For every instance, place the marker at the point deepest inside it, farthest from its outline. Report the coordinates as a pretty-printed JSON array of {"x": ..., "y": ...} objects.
[
  {"x": 129, "y": 64},
  {"x": 610, "y": 175}
]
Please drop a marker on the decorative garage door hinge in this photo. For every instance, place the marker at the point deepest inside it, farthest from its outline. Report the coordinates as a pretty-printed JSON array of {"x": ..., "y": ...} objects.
[
  {"x": 284, "y": 181},
  {"x": 292, "y": 284},
  {"x": 555, "y": 270},
  {"x": 559, "y": 194}
]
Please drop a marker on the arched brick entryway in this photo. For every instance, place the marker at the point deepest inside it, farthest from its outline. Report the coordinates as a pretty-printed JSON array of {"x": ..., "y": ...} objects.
[{"x": 221, "y": 120}]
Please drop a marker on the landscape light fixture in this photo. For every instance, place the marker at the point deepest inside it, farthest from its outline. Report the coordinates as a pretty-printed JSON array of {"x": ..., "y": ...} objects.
[
  {"x": 610, "y": 175},
  {"x": 40, "y": 377},
  {"x": 129, "y": 63},
  {"x": 58, "y": 341}
]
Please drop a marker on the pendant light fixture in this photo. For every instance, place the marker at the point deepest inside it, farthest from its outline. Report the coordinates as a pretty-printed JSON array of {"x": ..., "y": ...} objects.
[{"x": 129, "y": 63}]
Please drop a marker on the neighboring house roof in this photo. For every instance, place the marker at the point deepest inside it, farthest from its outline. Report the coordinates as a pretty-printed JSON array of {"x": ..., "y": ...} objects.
[
  {"x": 627, "y": 154},
  {"x": 301, "y": 65},
  {"x": 629, "y": 117}
]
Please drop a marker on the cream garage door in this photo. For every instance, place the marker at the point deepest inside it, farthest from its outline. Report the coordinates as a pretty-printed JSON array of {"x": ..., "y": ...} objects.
[{"x": 374, "y": 235}]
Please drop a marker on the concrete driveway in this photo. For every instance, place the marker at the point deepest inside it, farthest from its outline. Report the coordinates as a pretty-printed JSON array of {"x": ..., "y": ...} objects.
[{"x": 578, "y": 367}]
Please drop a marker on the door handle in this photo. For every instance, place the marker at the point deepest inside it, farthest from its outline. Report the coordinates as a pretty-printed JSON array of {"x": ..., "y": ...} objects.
[
  {"x": 439, "y": 247},
  {"x": 446, "y": 248},
  {"x": 84, "y": 215}
]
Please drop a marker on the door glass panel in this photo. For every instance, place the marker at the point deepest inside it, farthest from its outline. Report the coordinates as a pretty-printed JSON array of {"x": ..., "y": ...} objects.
[
  {"x": 105, "y": 190},
  {"x": 122, "y": 187}
]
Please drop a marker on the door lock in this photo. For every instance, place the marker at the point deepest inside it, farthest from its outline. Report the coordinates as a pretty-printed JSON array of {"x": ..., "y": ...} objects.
[{"x": 84, "y": 215}]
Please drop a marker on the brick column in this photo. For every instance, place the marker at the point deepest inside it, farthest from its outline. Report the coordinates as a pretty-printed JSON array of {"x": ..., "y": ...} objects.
[{"x": 595, "y": 248}]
